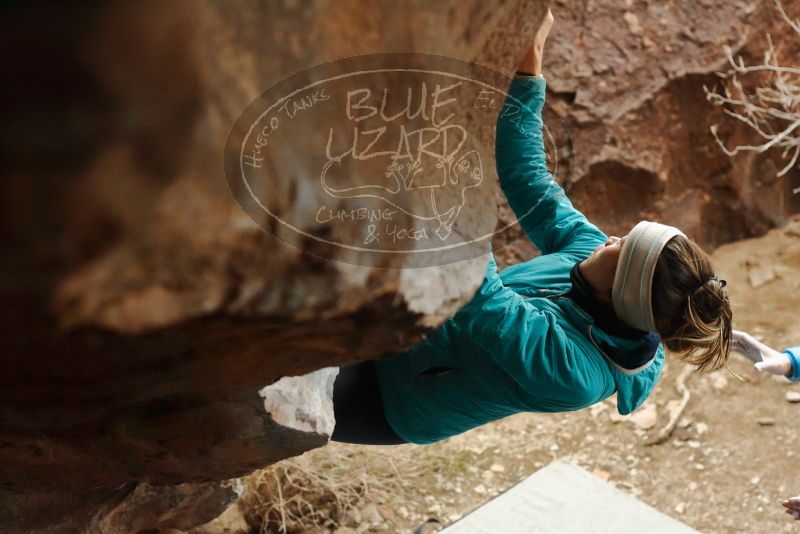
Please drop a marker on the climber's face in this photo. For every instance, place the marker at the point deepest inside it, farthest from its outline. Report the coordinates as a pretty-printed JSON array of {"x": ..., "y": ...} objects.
[{"x": 601, "y": 266}]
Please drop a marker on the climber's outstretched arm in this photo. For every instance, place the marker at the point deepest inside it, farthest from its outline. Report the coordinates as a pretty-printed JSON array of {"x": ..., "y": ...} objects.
[
  {"x": 543, "y": 209},
  {"x": 765, "y": 358}
]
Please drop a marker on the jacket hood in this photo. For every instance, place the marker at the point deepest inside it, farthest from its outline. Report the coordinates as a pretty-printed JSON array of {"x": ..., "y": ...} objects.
[
  {"x": 633, "y": 385},
  {"x": 629, "y": 348},
  {"x": 636, "y": 356}
]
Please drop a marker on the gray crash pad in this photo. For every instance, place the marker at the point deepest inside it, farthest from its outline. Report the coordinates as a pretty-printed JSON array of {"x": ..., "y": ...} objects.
[{"x": 563, "y": 498}]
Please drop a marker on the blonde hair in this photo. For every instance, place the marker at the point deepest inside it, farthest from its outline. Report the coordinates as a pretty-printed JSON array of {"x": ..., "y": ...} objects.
[{"x": 690, "y": 305}]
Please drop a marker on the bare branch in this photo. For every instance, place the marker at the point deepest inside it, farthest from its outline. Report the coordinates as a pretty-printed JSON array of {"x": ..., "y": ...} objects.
[
  {"x": 771, "y": 110},
  {"x": 795, "y": 24}
]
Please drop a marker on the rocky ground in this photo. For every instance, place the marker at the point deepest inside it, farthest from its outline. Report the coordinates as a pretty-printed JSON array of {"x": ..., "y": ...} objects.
[{"x": 732, "y": 458}]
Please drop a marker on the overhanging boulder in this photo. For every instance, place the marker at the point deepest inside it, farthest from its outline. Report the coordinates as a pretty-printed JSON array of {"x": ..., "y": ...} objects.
[{"x": 142, "y": 308}]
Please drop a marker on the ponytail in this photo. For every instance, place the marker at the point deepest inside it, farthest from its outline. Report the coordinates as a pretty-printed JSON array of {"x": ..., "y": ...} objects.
[{"x": 690, "y": 305}]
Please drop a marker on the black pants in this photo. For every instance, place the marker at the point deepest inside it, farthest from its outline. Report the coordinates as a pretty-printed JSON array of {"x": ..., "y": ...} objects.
[{"x": 358, "y": 407}]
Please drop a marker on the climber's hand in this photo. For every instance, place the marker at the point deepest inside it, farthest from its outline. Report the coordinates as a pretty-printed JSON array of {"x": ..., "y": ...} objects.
[
  {"x": 532, "y": 62},
  {"x": 776, "y": 364},
  {"x": 746, "y": 345},
  {"x": 792, "y": 507},
  {"x": 764, "y": 358}
]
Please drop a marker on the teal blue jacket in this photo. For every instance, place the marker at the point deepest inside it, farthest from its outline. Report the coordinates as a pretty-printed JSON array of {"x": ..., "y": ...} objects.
[
  {"x": 794, "y": 357},
  {"x": 520, "y": 344}
]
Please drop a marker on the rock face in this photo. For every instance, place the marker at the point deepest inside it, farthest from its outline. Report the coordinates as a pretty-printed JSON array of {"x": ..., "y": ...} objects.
[
  {"x": 135, "y": 507},
  {"x": 631, "y": 122},
  {"x": 303, "y": 402},
  {"x": 642, "y": 147},
  {"x": 142, "y": 310}
]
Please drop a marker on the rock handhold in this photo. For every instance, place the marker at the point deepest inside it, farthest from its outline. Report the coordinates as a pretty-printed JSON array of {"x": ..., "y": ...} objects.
[{"x": 304, "y": 403}]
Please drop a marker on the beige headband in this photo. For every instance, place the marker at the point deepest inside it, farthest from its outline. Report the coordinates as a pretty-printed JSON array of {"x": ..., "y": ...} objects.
[{"x": 632, "y": 291}]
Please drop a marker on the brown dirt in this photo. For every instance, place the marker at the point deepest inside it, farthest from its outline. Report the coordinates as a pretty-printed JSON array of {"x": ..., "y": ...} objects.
[{"x": 724, "y": 472}]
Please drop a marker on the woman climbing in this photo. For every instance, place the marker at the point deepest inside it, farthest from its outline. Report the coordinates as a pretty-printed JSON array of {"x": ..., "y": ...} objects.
[{"x": 556, "y": 333}]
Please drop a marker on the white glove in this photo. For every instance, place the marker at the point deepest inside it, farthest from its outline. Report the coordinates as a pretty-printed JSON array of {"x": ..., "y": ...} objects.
[
  {"x": 777, "y": 365},
  {"x": 764, "y": 358}
]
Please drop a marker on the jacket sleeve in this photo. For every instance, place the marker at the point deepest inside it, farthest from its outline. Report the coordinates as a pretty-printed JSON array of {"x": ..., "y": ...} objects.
[
  {"x": 794, "y": 357},
  {"x": 544, "y": 212},
  {"x": 529, "y": 345}
]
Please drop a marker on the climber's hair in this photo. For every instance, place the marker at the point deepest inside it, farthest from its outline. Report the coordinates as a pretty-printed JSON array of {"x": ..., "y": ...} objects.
[{"x": 690, "y": 306}]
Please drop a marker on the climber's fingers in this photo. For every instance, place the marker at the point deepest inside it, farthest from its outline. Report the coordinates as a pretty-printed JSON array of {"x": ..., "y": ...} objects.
[
  {"x": 544, "y": 29},
  {"x": 778, "y": 364}
]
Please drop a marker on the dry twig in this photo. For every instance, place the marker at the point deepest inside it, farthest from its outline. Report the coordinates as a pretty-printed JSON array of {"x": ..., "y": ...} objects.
[
  {"x": 323, "y": 486},
  {"x": 683, "y": 391},
  {"x": 772, "y": 110}
]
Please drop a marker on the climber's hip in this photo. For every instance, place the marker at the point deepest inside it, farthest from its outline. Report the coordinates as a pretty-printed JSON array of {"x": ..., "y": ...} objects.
[{"x": 358, "y": 407}]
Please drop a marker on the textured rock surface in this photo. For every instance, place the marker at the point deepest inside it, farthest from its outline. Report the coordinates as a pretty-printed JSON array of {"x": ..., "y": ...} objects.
[
  {"x": 303, "y": 402},
  {"x": 141, "y": 309},
  {"x": 631, "y": 121},
  {"x": 135, "y": 507},
  {"x": 642, "y": 148}
]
